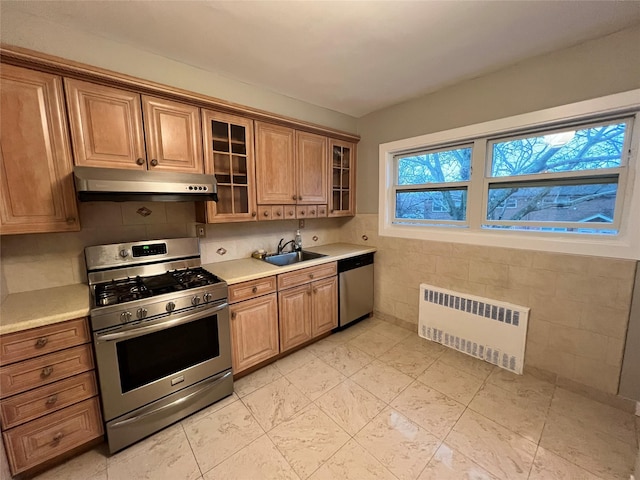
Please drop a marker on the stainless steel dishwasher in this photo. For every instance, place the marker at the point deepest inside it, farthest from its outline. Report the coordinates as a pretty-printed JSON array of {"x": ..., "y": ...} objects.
[{"x": 355, "y": 279}]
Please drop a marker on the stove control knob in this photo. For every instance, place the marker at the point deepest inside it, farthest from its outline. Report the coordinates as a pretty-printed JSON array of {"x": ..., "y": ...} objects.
[
  {"x": 124, "y": 253},
  {"x": 195, "y": 300},
  {"x": 206, "y": 297},
  {"x": 171, "y": 307},
  {"x": 125, "y": 317},
  {"x": 141, "y": 313}
]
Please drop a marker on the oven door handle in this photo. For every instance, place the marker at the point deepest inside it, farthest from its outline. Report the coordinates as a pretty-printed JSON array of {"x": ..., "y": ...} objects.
[
  {"x": 137, "y": 331},
  {"x": 175, "y": 403}
]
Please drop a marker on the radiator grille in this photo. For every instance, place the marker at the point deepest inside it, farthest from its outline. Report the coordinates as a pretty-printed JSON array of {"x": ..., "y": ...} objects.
[{"x": 481, "y": 327}]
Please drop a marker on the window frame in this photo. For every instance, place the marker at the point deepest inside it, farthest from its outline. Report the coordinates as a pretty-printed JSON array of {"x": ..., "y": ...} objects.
[
  {"x": 432, "y": 187},
  {"x": 626, "y": 244},
  {"x": 561, "y": 178}
]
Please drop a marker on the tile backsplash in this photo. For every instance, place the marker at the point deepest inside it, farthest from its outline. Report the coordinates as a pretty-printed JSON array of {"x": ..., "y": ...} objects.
[{"x": 33, "y": 262}]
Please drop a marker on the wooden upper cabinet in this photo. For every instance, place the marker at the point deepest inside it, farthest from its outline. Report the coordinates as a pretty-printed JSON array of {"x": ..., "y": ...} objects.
[
  {"x": 228, "y": 155},
  {"x": 342, "y": 198},
  {"x": 174, "y": 136},
  {"x": 35, "y": 155},
  {"x": 108, "y": 129},
  {"x": 106, "y": 126},
  {"x": 275, "y": 164},
  {"x": 312, "y": 166}
]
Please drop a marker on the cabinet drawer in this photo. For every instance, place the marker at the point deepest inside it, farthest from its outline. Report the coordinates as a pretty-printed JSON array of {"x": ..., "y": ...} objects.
[
  {"x": 23, "y": 376},
  {"x": 50, "y": 398},
  {"x": 252, "y": 288},
  {"x": 299, "y": 277},
  {"x": 39, "y": 341},
  {"x": 45, "y": 438}
]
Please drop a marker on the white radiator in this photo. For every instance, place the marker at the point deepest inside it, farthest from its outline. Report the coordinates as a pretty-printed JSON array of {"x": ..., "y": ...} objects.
[{"x": 483, "y": 328}]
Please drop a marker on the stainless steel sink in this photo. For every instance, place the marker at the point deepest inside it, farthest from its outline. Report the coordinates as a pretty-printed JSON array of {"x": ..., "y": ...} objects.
[{"x": 282, "y": 259}]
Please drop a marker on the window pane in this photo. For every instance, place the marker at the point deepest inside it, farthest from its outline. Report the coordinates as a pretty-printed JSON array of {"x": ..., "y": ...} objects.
[
  {"x": 432, "y": 205},
  {"x": 561, "y": 203},
  {"x": 565, "y": 151},
  {"x": 435, "y": 167}
]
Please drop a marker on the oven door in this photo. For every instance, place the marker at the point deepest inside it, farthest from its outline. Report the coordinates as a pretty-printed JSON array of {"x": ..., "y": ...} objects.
[{"x": 145, "y": 362}]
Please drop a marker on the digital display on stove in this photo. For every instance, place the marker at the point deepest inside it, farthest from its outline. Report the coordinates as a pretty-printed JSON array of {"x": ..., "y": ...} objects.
[{"x": 148, "y": 250}]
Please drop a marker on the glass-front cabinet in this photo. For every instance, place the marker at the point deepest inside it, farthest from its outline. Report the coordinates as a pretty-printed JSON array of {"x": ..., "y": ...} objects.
[
  {"x": 229, "y": 156},
  {"x": 343, "y": 170}
]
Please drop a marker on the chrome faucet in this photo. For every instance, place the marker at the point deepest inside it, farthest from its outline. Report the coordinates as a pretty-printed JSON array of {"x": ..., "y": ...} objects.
[{"x": 281, "y": 246}]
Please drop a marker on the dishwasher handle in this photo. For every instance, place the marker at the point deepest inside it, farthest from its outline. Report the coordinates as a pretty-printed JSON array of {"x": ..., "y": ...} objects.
[{"x": 355, "y": 262}]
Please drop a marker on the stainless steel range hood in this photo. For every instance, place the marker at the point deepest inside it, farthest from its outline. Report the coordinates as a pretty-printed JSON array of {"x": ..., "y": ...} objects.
[{"x": 118, "y": 185}]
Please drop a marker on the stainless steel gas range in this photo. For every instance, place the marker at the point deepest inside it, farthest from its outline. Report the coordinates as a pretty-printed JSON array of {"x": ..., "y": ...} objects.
[{"x": 160, "y": 327}]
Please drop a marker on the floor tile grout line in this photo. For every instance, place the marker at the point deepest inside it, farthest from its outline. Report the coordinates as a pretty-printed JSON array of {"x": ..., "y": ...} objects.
[
  {"x": 559, "y": 454},
  {"x": 191, "y": 447}
]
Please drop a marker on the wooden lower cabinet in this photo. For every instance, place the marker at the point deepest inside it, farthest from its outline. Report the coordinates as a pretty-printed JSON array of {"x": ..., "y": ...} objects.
[
  {"x": 48, "y": 437},
  {"x": 254, "y": 331},
  {"x": 49, "y": 404},
  {"x": 295, "y": 316},
  {"x": 307, "y": 311},
  {"x": 324, "y": 315}
]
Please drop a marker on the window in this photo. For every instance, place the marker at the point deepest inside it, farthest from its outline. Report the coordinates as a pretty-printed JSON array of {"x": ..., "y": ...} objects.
[
  {"x": 431, "y": 186},
  {"x": 562, "y": 179}
]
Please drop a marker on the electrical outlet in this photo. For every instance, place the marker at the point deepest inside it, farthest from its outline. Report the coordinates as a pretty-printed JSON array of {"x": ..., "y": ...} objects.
[
  {"x": 201, "y": 231},
  {"x": 301, "y": 223}
]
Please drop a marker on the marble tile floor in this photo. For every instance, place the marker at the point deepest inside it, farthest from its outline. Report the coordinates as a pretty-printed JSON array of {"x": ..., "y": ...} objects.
[{"x": 377, "y": 402}]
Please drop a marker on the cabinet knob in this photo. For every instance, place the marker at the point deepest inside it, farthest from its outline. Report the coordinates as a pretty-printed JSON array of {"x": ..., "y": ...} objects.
[
  {"x": 254, "y": 289},
  {"x": 301, "y": 213},
  {"x": 57, "y": 437},
  {"x": 299, "y": 197},
  {"x": 154, "y": 162},
  {"x": 233, "y": 315},
  {"x": 311, "y": 276},
  {"x": 266, "y": 214},
  {"x": 253, "y": 214},
  {"x": 309, "y": 292},
  {"x": 313, "y": 212},
  {"x": 52, "y": 399},
  {"x": 46, "y": 371},
  {"x": 365, "y": 238},
  {"x": 291, "y": 212},
  {"x": 71, "y": 219},
  {"x": 278, "y": 213},
  {"x": 140, "y": 161},
  {"x": 41, "y": 342},
  {"x": 293, "y": 197},
  {"x": 315, "y": 290}
]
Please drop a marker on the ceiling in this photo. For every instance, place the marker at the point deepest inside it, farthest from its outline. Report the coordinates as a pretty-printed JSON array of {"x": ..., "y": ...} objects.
[{"x": 353, "y": 57}]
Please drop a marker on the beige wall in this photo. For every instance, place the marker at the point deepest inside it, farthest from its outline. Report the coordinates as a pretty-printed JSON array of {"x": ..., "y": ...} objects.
[
  {"x": 579, "y": 304},
  {"x": 595, "y": 68},
  {"x": 27, "y": 31},
  {"x": 33, "y": 262}
]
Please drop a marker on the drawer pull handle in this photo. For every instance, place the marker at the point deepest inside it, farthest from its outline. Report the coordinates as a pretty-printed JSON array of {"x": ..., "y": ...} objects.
[
  {"x": 46, "y": 371},
  {"x": 254, "y": 289},
  {"x": 41, "y": 342},
  {"x": 52, "y": 399},
  {"x": 311, "y": 276},
  {"x": 57, "y": 437}
]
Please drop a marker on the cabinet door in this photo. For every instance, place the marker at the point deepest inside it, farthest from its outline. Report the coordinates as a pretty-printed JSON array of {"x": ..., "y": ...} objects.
[
  {"x": 106, "y": 126},
  {"x": 228, "y": 154},
  {"x": 35, "y": 155},
  {"x": 342, "y": 199},
  {"x": 254, "y": 331},
  {"x": 325, "y": 305},
  {"x": 174, "y": 136},
  {"x": 295, "y": 316},
  {"x": 275, "y": 167},
  {"x": 311, "y": 164}
]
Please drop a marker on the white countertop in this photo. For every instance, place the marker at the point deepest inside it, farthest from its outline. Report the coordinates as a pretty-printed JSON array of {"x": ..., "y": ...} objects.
[
  {"x": 244, "y": 269},
  {"x": 25, "y": 310}
]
